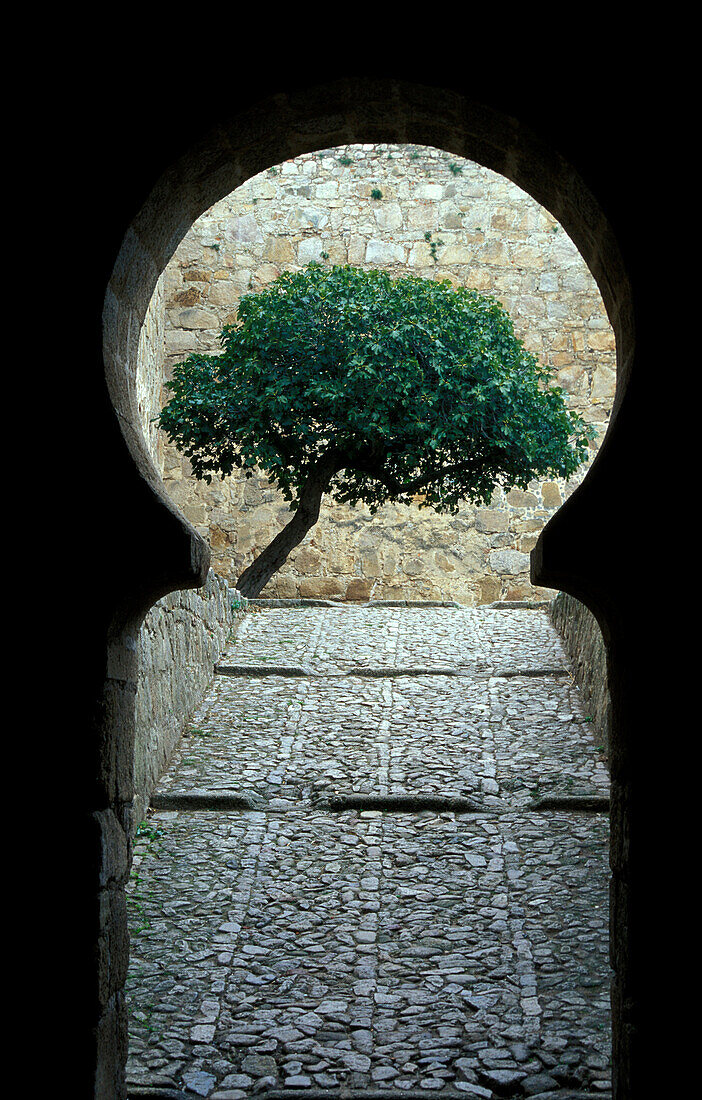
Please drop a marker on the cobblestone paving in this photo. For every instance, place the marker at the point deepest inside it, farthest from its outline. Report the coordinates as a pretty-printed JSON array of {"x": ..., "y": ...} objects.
[{"x": 321, "y": 942}]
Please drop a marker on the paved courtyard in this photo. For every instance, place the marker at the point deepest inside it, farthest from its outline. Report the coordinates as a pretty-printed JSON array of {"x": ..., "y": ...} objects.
[{"x": 378, "y": 863}]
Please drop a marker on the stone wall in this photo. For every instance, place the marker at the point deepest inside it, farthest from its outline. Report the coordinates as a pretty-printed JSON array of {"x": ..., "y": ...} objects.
[
  {"x": 181, "y": 640},
  {"x": 184, "y": 633},
  {"x": 586, "y": 648},
  {"x": 149, "y": 376},
  {"x": 405, "y": 209}
]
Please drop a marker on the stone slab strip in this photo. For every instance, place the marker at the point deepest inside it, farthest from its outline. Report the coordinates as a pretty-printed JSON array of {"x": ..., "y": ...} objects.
[{"x": 205, "y": 800}]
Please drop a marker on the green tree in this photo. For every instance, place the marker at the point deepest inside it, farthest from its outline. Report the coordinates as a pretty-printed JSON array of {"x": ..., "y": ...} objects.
[{"x": 345, "y": 381}]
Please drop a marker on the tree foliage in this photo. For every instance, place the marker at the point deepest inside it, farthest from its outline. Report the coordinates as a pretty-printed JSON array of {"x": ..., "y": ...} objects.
[{"x": 374, "y": 389}]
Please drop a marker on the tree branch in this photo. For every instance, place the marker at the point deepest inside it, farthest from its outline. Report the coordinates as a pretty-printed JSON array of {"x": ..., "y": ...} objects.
[{"x": 396, "y": 487}]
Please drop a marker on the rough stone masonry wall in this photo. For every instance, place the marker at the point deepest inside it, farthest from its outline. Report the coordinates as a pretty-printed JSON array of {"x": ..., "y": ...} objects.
[
  {"x": 405, "y": 209},
  {"x": 585, "y": 646},
  {"x": 184, "y": 633},
  {"x": 181, "y": 640},
  {"x": 149, "y": 375}
]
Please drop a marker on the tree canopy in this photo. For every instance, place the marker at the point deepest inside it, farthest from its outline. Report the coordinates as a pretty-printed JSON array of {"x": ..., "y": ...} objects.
[{"x": 373, "y": 389}]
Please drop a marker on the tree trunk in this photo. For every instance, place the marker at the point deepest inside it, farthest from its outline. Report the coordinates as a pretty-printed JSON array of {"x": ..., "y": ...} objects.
[{"x": 257, "y": 575}]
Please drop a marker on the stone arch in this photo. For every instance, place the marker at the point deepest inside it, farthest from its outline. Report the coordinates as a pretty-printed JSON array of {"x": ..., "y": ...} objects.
[
  {"x": 278, "y": 129},
  {"x": 288, "y": 126}
]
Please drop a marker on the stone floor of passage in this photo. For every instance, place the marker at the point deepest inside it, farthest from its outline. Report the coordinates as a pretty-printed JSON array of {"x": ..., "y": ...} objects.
[{"x": 414, "y": 898}]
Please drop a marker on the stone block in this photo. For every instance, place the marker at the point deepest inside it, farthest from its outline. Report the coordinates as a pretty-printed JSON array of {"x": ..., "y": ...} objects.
[
  {"x": 421, "y": 217},
  {"x": 340, "y": 562},
  {"x": 356, "y": 249},
  {"x": 384, "y": 252},
  {"x": 414, "y": 567},
  {"x": 187, "y": 297},
  {"x": 370, "y": 564},
  {"x": 389, "y": 592},
  {"x": 495, "y": 254},
  {"x": 244, "y": 229},
  {"x": 604, "y": 384},
  {"x": 219, "y": 539},
  {"x": 520, "y": 591},
  {"x": 490, "y": 588},
  {"x": 420, "y": 255},
  {"x": 508, "y": 561},
  {"x": 432, "y": 192},
  {"x": 322, "y": 588},
  {"x": 282, "y": 587},
  {"x": 253, "y": 491},
  {"x": 265, "y": 274},
  {"x": 337, "y": 253},
  {"x": 197, "y": 319},
  {"x": 601, "y": 341},
  {"x": 359, "y": 589},
  {"x": 490, "y": 520},
  {"x": 196, "y": 274},
  {"x": 188, "y": 252},
  {"x": 528, "y": 256},
  {"x": 223, "y": 294},
  {"x": 311, "y": 248},
  {"x": 518, "y": 498},
  {"x": 182, "y": 343},
  {"x": 551, "y": 495},
  {"x": 195, "y": 513},
  {"x": 457, "y": 254},
  {"x": 307, "y": 560},
  {"x": 388, "y": 215},
  {"x": 279, "y": 250},
  {"x": 446, "y": 564}
]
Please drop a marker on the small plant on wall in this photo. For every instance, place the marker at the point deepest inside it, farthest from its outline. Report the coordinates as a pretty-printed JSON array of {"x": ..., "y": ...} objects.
[{"x": 433, "y": 246}]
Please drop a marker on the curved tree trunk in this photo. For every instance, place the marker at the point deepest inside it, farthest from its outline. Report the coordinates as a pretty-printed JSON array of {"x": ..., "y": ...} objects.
[{"x": 257, "y": 575}]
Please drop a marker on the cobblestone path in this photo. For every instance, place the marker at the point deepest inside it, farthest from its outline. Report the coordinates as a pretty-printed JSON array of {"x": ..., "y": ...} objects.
[{"x": 378, "y": 864}]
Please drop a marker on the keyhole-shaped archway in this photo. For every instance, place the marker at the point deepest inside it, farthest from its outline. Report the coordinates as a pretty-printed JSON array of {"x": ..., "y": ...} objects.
[{"x": 344, "y": 112}]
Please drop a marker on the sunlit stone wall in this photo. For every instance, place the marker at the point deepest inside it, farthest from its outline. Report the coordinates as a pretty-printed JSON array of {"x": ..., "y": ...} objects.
[{"x": 405, "y": 209}]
